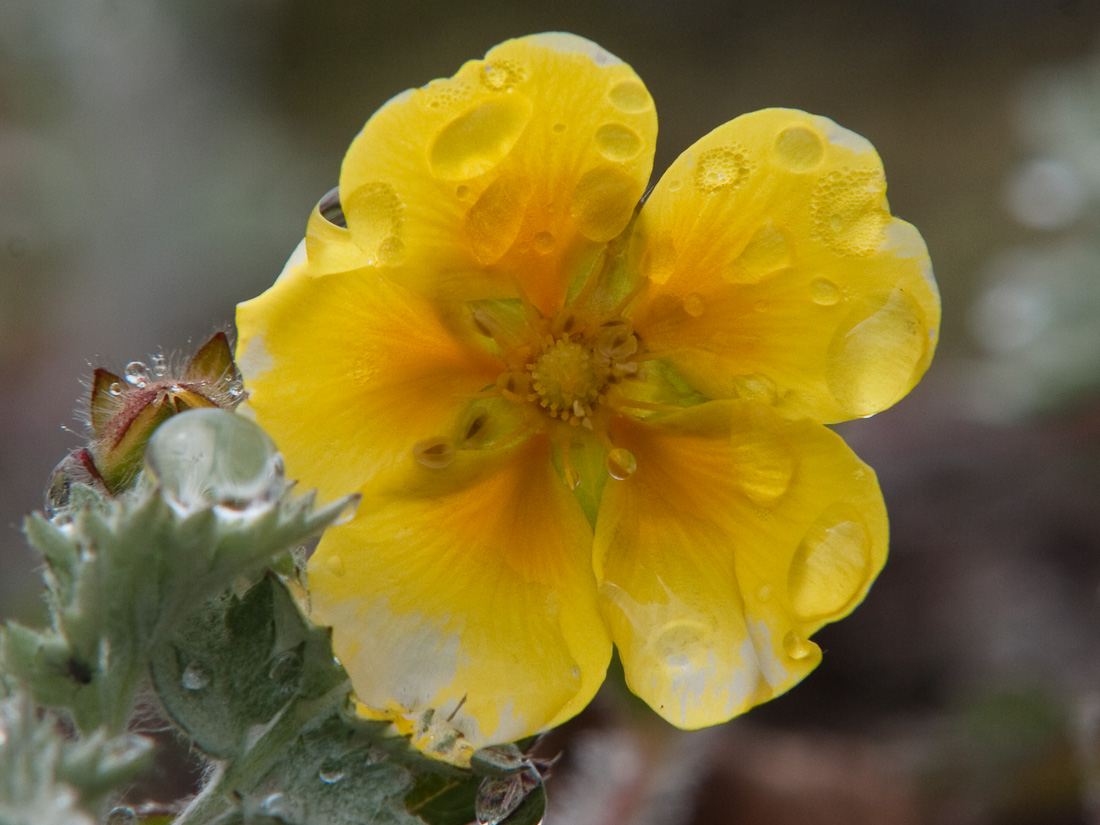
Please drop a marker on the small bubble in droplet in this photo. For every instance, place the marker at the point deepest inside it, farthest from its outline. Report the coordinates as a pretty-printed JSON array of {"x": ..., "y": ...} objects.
[
  {"x": 694, "y": 305},
  {"x": 137, "y": 374},
  {"x": 194, "y": 677},
  {"x": 436, "y": 453},
  {"x": 796, "y": 646},
  {"x": 115, "y": 389},
  {"x": 543, "y": 243},
  {"x": 621, "y": 464},
  {"x": 159, "y": 365},
  {"x": 121, "y": 816},
  {"x": 824, "y": 292}
]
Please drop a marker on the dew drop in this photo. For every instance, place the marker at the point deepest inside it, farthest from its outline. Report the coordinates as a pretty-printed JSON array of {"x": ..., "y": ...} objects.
[
  {"x": 194, "y": 677},
  {"x": 543, "y": 243},
  {"x": 603, "y": 202},
  {"x": 121, "y": 816},
  {"x": 621, "y": 464},
  {"x": 764, "y": 592},
  {"x": 723, "y": 168},
  {"x": 659, "y": 258},
  {"x": 435, "y": 453},
  {"x": 618, "y": 142},
  {"x": 832, "y": 564},
  {"x": 208, "y": 457},
  {"x": 764, "y": 461},
  {"x": 679, "y": 645},
  {"x": 824, "y": 292},
  {"x": 375, "y": 212},
  {"x": 630, "y": 96},
  {"x": 348, "y": 513},
  {"x": 286, "y": 668},
  {"x": 558, "y": 128},
  {"x": 335, "y": 565},
  {"x": 330, "y": 773},
  {"x": 874, "y": 356},
  {"x": 675, "y": 185},
  {"x": 279, "y": 806},
  {"x": 462, "y": 192},
  {"x": 799, "y": 148},
  {"x": 159, "y": 365},
  {"x": 479, "y": 138},
  {"x": 694, "y": 305},
  {"x": 114, "y": 389},
  {"x": 797, "y": 647},
  {"x": 756, "y": 387},
  {"x": 767, "y": 250},
  {"x": 494, "y": 221},
  {"x": 137, "y": 374}
]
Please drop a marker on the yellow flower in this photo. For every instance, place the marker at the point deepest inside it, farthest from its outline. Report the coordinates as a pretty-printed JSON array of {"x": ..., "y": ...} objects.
[{"x": 577, "y": 423}]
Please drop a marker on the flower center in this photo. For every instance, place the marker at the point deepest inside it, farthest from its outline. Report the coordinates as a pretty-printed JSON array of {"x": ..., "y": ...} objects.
[{"x": 567, "y": 377}]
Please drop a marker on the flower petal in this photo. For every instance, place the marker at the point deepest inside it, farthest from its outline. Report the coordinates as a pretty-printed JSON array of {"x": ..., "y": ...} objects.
[
  {"x": 347, "y": 371},
  {"x": 518, "y": 168},
  {"x": 737, "y": 536},
  {"x": 466, "y": 590},
  {"x": 777, "y": 272}
]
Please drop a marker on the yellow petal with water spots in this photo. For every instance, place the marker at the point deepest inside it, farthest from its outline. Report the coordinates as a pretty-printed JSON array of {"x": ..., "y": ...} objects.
[
  {"x": 466, "y": 589},
  {"x": 347, "y": 373},
  {"x": 517, "y": 169},
  {"x": 773, "y": 261},
  {"x": 738, "y": 534}
]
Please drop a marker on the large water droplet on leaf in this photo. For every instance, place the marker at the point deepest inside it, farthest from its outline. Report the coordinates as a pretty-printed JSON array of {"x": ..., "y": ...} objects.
[{"x": 206, "y": 457}]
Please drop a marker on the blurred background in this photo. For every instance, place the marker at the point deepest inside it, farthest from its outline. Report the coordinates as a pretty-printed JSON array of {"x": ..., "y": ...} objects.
[{"x": 158, "y": 160}]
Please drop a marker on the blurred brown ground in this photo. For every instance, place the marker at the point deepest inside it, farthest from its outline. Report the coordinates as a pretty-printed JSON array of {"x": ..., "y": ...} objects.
[{"x": 158, "y": 159}]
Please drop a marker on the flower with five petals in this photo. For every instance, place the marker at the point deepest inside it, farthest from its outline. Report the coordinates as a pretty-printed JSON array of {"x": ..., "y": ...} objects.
[{"x": 577, "y": 422}]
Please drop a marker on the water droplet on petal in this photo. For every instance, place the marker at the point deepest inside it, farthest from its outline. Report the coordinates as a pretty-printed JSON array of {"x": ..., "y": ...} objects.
[
  {"x": 756, "y": 387},
  {"x": 603, "y": 202},
  {"x": 694, "y": 305},
  {"x": 278, "y": 805},
  {"x": 114, "y": 389},
  {"x": 208, "y": 457},
  {"x": 621, "y": 464},
  {"x": 764, "y": 592},
  {"x": 121, "y": 816},
  {"x": 849, "y": 211},
  {"x": 874, "y": 355},
  {"x": 479, "y": 138},
  {"x": 618, "y": 142},
  {"x": 797, "y": 647},
  {"x": 832, "y": 565},
  {"x": 375, "y": 213},
  {"x": 543, "y": 243},
  {"x": 160, "y": 365},
  {"x": 675, "y": 185},
  {"x": 494, "y": 221},
  {"x": 558, "y": 128},
  {"x": 501, "y": 76},
  {"x": 767, "y": 250},
  {"x": 436, "y": 453},
  {"x": 335, "y": 565},
  {"x": 722, "y": 168},
  {"x": 799, "y": 148},
  {"x": 630, "y": 96},
  {"x": 680, "y": 645},
  {"x": 763, "y": 459},
  {"x": 137, "y": 374},
  {"x": 194, "y": 677},
  {"x": 824, "y": 292}
]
